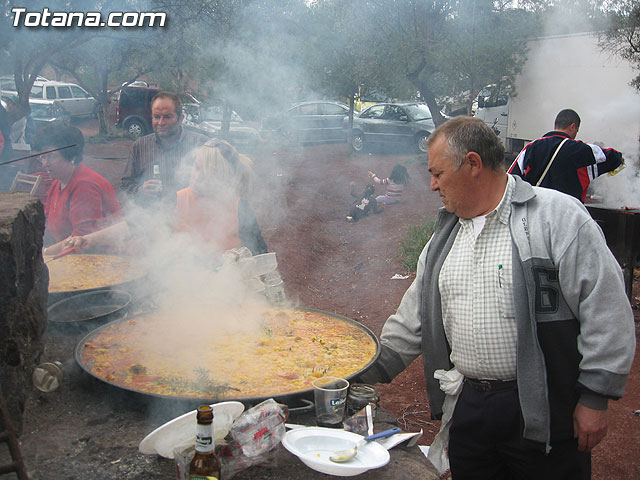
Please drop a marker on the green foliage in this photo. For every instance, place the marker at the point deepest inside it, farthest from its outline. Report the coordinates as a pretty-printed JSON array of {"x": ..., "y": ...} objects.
[
  {"x": 413, "y": 243},
  {"x": 623, "y": 34},
  {"x": 258, "y": 56}
]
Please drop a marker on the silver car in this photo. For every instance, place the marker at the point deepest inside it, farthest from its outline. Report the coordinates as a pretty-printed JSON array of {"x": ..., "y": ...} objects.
[
  {"x": 397, "y": 123},
  {"x": 45, "y": 112},
  {"x": 318, "y": 121},
  {"x": 75, "y": 99},
  {"x": 207, "y": 119}
]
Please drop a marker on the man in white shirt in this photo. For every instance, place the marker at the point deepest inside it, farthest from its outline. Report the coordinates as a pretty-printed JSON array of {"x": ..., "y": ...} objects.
[{"x": 511, "y": 301}]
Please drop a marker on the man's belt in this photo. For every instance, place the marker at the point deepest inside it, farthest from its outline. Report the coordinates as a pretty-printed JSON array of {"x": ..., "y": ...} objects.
[{"x": 491, "y": 385}]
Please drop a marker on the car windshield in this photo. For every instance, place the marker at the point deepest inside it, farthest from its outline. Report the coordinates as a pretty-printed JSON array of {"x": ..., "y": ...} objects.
[
  {"x": 36, "y": 91},
  {"x": 419, "y": 112},
  {"x": 41, "y": 110},
  {"x": 214, "y": 114}
]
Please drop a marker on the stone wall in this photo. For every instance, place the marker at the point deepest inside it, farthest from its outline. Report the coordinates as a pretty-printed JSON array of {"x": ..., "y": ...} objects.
[{"x": 24, "y": 281}]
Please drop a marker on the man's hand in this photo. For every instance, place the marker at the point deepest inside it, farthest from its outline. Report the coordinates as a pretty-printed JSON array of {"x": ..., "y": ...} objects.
[
  {"x": 152, "y": 187},
  {"x": 589, "y": 426},
  {"x": 80, "y": 244}
]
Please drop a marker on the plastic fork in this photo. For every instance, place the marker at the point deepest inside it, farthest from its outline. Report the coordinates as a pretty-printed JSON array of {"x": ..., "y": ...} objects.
[{"x": 348, "y": 454}]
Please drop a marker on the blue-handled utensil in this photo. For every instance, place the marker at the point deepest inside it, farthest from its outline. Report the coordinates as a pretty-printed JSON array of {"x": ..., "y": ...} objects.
[{"x": 348, "y": 454}]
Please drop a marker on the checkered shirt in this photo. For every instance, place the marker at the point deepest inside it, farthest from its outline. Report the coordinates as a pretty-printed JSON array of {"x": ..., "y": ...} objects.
[{"x": 477, "y": 297}]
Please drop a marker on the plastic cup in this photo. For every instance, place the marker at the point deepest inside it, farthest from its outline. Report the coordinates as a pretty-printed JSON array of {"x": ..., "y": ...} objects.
[
  {"x": 330, "y": 394},
  {"x": 47, "y": 376},
  {"x": 265, "y": 263}
]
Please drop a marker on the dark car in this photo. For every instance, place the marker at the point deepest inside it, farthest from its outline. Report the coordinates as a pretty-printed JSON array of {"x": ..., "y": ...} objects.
[
  {"x": 133, "y": 112},
  {"x": 319, "y": 121},
  {"x": 207, "y": 119},
  {"x": 392, "y": 123}
]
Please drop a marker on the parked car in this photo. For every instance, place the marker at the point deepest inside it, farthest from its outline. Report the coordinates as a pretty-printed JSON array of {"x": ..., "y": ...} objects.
[
  {"x": 133, "y": 112},
  {"x": 136, "y": 83},
  {"x": 75, "y": 99},
  {"x": 46, "y": 112},
  {"x": 43, "y": 112},
  {"x": 8, "y": 87},
  {"x": 8, "y": 84},
  {"x": 308, "y": 122},
  {"x": 207, "y": 119},
  {"x": 371, "y": 97},
  {"x": 400, "y": 123}
]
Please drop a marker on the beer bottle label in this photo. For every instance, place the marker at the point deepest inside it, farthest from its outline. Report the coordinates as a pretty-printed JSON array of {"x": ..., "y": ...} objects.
[{"x": 204, "y": 438}]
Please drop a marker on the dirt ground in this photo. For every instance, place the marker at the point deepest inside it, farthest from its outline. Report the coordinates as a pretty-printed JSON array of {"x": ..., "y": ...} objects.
[
  {"x": 301, "y": 199},
  {"x": 347, "y": 268}
]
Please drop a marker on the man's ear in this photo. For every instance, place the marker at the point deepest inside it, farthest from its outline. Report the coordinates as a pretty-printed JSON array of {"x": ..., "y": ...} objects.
[{"x": 475, "y": 162}]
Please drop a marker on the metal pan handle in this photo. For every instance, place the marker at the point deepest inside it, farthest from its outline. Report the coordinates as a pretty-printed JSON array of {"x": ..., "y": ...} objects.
[{"x": 309, "y": 406}]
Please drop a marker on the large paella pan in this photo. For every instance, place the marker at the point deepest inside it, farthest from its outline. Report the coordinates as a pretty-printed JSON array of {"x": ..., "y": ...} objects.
[
  {"x": 277, "y": 353},
  {"x": 79, "y": 273}
]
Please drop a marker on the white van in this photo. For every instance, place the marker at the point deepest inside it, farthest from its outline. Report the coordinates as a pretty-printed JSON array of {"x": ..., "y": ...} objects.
[
  {"x": 73, "y": 98},
  {"x": 600, "y": 92}
]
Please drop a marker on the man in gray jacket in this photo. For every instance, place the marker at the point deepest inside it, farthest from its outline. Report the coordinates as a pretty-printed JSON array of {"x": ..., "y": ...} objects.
[{"x": 520, "y": 313}]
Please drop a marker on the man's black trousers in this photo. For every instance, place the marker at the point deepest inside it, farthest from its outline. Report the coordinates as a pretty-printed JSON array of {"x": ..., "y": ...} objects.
[{"x": 486, "y": 442}]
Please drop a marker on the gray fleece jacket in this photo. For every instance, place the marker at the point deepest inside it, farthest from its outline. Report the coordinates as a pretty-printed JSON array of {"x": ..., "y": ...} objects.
[{"x": 576, "y": 338}]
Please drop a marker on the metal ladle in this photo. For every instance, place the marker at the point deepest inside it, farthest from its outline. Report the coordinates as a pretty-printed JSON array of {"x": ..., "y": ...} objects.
[{"x": 348, "y": 454}]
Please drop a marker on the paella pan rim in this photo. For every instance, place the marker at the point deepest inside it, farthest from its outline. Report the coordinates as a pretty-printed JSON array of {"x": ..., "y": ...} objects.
[
  {"x": 59, "y": 295},
  {"x": 118, "y": 302},
  {"x": 284, "y": 397}
]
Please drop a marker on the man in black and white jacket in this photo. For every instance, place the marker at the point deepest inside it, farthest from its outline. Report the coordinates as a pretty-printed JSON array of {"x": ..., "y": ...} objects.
[{"x": 559, "y": 161}]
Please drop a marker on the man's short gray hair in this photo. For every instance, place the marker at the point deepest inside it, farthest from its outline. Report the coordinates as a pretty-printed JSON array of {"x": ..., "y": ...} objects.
[{"x": 469, "y": 134}]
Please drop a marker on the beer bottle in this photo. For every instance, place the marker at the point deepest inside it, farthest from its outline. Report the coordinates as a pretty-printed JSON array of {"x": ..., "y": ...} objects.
[{"x": 206, "y": 464}]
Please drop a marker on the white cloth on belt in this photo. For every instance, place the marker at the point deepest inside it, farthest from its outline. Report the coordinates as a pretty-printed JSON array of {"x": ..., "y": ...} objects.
[{"x": 451, "y": 384}]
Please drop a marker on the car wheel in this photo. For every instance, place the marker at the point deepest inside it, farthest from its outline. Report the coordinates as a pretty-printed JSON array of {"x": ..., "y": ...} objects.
[
  {"x": 288, "y": 136},
  {"x": 421, "y": 142},
  {"x": 357, "y": 142},
  {"x": 135, "y": 128}
]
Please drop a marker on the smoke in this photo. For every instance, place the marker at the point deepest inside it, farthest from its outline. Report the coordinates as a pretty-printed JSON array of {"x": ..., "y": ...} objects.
[
  {"x": 191, "y": 278},
  {"x": 575, "y": 70},
  {"x": 619, "y": 190}
]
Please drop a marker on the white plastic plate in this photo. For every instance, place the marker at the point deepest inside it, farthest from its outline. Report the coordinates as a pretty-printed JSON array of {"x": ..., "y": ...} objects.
[
  {"x": 314, "y": 445},
  {"x": 182, "y": 429}
]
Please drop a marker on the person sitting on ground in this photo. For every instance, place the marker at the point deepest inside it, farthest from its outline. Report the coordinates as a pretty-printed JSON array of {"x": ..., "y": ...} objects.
[
  {"x": 364, "y": 203},
  {"x": 80, "y": 200},
  {"x": 395, "y": 184},
  {"x": 219, "y": 186}
]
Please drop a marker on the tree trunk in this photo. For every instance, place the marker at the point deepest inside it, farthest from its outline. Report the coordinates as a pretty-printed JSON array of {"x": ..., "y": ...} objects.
[
  {"x": 102, "y": 118},
  {"x": 426, "y": 93},
  {"x": 350, "y": 127},
  {"x": 103, "y": 102},
  {"x": 226, "y": 120}
]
